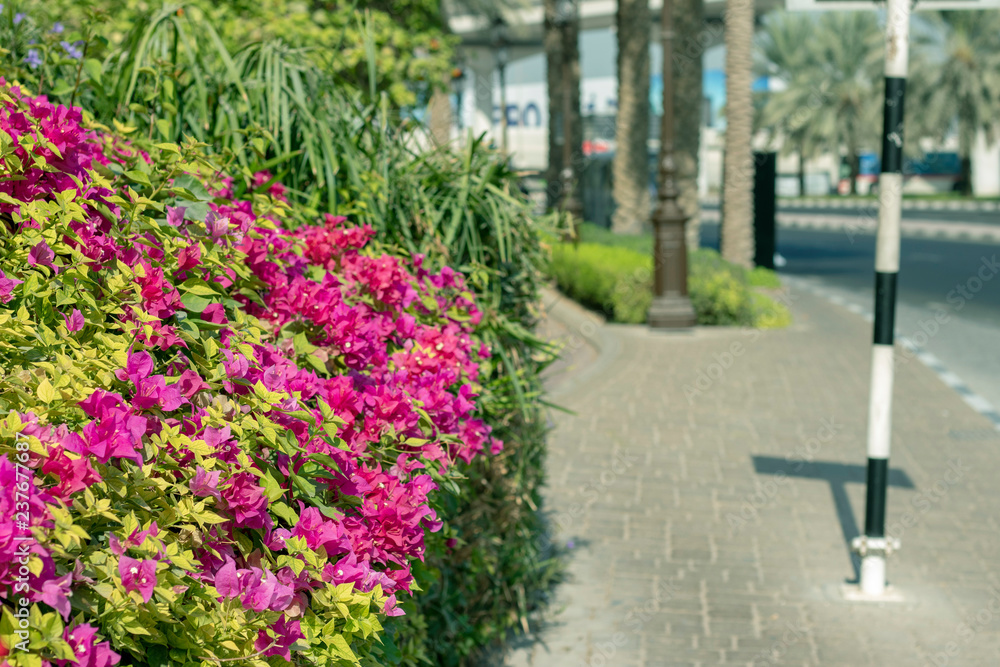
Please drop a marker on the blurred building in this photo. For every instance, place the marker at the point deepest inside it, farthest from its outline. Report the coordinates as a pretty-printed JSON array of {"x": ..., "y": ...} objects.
[{"x": 476, "y": 103}]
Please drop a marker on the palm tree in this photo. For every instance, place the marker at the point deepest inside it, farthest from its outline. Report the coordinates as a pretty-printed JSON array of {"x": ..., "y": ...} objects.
[
  {"x": 784, "y": 51},
  {"x": 562, "y": 57},
  {"x": 833, "y": 88},
  {"x": 689, "y": 21},
  {"x": 849, "y": 58},
  {"x": 631, "y": 161},
  {"x": 965, "y": 92},
  {"x": 737, "y": 200}
]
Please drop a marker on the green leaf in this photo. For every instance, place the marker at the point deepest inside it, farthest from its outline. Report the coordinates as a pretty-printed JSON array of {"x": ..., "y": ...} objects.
[
  {"x": 170, "y": 148},
  {"x": 183, "y": 193},
  {"x": 302, "y": 344},
  {"x": 62, "y": 87},
  {"x": 343, "y": 649},
  {"x": 317, "y": 365},
  {"x": 93, "y": 69},
  {"x": 163, "y": 126},
  {"x": 138, "y": 177},
  {"x": 285, "y": 512},
  {"x": 325, "y": 459},
  {"x": 198, "y": 287},
  {"x": 304, "y": 485},
  {"x": 192, "y": 185},
  {"x": 272, "y": 487},
  {"x": 45, "y": 391},
  {"x": 195, "y": 303}
]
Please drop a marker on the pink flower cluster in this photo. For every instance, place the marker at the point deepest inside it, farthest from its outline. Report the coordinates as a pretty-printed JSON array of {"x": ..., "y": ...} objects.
[{"x": 396, "y": 338}]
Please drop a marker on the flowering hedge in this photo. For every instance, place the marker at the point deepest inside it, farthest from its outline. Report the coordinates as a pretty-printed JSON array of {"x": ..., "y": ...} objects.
[{"x": 222, "y": 438}]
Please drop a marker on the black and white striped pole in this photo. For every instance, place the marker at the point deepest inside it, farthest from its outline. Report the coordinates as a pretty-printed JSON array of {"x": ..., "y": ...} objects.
[{"x": 874, "y": 545}]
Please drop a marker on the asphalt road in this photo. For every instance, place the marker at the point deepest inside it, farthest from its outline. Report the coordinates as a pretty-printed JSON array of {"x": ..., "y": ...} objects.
[{"x": 953, "y": 283}]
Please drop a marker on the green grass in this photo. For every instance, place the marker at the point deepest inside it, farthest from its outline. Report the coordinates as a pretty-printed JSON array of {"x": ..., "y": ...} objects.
[{"x": 641, "y": 243}]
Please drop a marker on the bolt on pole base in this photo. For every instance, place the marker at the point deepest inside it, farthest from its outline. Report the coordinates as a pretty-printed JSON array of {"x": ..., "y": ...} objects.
[{"x": 872, "y": 585}]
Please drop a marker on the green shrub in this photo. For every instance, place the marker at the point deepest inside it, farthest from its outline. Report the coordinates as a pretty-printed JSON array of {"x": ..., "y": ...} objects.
[
  {"x": 643, "y": 244},
  {"x": 719, "y": 291},
  {"x": 617, "y": 281},
  {"x": 768, "y": 313},
  {"x": 614, "y": 281},
  {"x": 763, "y": 277},
  {"x": 199, "y": 405},
  {"x": 263, "y": 107}
]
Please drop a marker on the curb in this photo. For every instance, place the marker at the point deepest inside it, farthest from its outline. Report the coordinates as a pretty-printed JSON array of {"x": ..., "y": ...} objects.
[
  {"x": 589, "y": 328},
  {"x": 908, "y": 229},
  {"x": 908, "y": 204},
  {"x": 957, "y": 231},
  {"x": 858, "y": 202}
]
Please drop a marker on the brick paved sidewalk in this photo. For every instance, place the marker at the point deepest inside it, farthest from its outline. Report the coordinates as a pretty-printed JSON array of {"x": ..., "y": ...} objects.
[{"x": 710, "y": 525}]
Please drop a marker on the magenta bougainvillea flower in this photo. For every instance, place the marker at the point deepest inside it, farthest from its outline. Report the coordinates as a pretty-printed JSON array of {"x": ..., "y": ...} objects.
[
  {"x": 139, "y": 367},
  {"x": 42, "y": 255},
  {"x": 137, "y": 538},
  {"x": 74, "y": 321},
  {"x": 139, "y": 576},
  {"x": 216, "y": 225},
  {"x": 205, "y": 483},
  {"x": 55, "y": 593},
  {"x": 295, "y": 423},
  {"x": 7, "y": 285},
  {"x": 189, "y": 257},
  {"x": 246, "y": 502},
  {"x": 74, "y": 474},
  {"x": 87, "y": 651},
  {"x": 175, "y": 215},
  {"x": 285, "y": 632}
]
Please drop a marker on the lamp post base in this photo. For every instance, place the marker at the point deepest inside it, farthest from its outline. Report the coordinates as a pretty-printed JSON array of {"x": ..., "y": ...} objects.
[{"x": 671, "y": 312}]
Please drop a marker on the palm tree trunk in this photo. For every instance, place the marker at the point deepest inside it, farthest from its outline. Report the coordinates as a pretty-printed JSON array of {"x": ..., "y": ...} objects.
[
  {"x": 689, "y": 19},
  {"x": 631, "y": 161},
  {"x": 572, "y": 50},
  {"x": 737, "y": 190},
  {"x": 966, "y": 133},
  {"x": 561, "y": 44},
  {"x": 853, "y": 159},
  {"x": 854, "y": 162},
  {"x": 439, "y": 109},
  {"x": 553, "y": 59},
  {"x": 802, "y": 168},
  {"x": 965, "y": 175}
]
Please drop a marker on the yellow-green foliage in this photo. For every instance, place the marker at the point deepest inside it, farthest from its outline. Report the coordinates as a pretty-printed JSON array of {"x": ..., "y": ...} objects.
[
  {"x": 618, "y": 282},
  {"x": 763, "y": 277},
  {"x": 615, "y": 281}
]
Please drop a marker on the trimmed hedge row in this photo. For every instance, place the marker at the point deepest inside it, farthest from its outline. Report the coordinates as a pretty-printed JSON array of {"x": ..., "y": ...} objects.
[{"x": 617, "y": 281}]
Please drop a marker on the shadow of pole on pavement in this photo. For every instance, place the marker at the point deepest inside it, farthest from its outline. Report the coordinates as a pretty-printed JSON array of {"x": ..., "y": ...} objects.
[{"x": 838, "y": 475}]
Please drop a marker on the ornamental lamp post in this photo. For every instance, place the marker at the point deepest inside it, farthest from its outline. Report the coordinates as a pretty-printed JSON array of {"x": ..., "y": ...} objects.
[
  {"x": 566, "y": 13},
  {"x": 671, "y": 307}
]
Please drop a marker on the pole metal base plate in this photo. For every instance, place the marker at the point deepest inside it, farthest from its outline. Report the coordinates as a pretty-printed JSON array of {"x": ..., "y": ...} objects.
[
  {"x": 671, "y": 312},
  {"x": 853, "y": 593}
]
